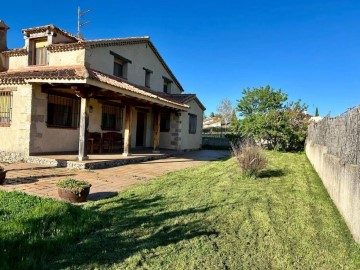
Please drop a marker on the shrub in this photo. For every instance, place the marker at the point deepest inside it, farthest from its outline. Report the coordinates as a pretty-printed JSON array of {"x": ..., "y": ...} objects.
[
  {"x": 249, "y": 156},
  {"x": 75, "y": 186}
]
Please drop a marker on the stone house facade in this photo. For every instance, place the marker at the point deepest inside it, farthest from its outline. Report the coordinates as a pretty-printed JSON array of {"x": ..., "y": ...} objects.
[{"x": 58, "y": 87}]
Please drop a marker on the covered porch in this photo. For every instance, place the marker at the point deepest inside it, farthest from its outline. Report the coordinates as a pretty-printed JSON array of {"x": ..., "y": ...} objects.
[{"x": 103, "y": 105}]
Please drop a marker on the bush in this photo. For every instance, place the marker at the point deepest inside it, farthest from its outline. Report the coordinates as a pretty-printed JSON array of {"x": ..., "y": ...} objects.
[
  {"x": 249, "y": 156},
  {"x": 75, "y": 186}
]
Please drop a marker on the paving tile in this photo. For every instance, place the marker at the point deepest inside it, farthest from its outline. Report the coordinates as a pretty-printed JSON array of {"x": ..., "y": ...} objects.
[{"x": 41, "y": 180}]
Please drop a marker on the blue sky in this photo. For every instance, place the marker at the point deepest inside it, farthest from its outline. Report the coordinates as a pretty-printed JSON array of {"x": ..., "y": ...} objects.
[{"x": 309, "y": 49}]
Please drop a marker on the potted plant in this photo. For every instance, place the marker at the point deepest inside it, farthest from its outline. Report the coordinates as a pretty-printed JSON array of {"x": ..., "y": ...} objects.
[
  {"x": 2, "y": 175},
  {"x": 73, "y": 190}
]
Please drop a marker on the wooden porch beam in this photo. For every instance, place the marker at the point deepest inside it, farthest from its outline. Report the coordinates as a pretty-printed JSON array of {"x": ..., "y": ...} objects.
[{"x": 156, "y": 132}]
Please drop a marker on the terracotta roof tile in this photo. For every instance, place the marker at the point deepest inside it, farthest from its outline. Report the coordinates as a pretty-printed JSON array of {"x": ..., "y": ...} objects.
[
  {"x": 81, "y": 72},
  {"x": 121, "y": 83},
  {"x": 15, "y": 52},
  {"x": 50, "y": 27},
  {"x": 80, "y": 43},
  {"x": 20, "y": 76}
]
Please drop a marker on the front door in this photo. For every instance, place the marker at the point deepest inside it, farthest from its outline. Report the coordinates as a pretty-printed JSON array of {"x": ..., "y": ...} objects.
[{"x": 140, "y": 129}]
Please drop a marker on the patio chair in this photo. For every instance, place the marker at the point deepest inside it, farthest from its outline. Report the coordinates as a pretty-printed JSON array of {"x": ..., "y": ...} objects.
[
  {"x": 95, "y": 141},
  {"x": 113, "y": 139}
]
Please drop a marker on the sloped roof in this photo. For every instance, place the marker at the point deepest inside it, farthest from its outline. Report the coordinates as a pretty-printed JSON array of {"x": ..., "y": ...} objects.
[
  {"x": 186, "y": 98},
  {"x": 72, "y": 73},
  {"x": 80, "y": 43},
  {"x": 50, "y": 27},
  {"x": 114, "y": 42}
]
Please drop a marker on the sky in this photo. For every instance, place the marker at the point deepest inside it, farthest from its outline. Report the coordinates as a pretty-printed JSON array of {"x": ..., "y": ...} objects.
[{"x": 308, "y": 49}]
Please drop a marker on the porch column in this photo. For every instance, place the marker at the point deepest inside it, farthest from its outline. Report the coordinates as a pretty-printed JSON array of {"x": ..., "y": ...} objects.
[
  {"x": 83, "y": 125},
  {"x": 127, "y": 130},
  {"x": 156, "y": 131}
]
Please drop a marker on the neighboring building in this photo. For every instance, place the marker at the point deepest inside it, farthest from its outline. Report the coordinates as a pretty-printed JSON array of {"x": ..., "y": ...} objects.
[
  {"x": 212, "y": 122},
  {"x": 315, "y": 119},
  {"x": 58, "y": 84}
]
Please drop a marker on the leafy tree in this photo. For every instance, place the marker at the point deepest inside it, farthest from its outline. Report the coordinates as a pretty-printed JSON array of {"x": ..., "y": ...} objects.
[
  {"x": 224, "y": 110},
  {"x": 271, "y": 120},
  {"x": 316, "y": 111},
  {"x": 260, "y": 100}
]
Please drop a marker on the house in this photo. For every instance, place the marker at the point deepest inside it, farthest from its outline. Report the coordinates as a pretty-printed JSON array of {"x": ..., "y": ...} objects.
[
  {"x": 59, "y": 87},
  {"x": 211, "y": 122}
]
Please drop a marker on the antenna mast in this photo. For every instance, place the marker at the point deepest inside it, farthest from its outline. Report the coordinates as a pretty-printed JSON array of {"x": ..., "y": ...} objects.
[{"x": 80, "y": 23}]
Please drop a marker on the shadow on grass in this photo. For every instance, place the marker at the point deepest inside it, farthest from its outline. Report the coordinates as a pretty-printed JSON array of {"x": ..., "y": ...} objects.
[
  {"x": 106, "y": 234},
  {"x": 101, "y": 195},
  {"x": 271, "y": 173},
  {"x": 35, "y": 230},
  {"x": 132, "y": 225}
]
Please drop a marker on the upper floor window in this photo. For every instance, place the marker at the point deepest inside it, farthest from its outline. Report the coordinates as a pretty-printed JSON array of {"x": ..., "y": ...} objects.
[
  {"x": 192, "y": 123},
  {"x": 120, "y": 65},
  {"x": 63, "y": 112},
  {"x": 147, "y": 77},
  {"x": 167, "y": 85},
  {"x": 38, "y": 52},
  {"x": 112, "y": 117},
  {"x": 118, "y": 68},
  {"x": 5, "y": 108}
]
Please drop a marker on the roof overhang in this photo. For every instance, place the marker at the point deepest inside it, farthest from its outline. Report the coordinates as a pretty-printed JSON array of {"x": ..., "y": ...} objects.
[{"x": 82, "y": 75}]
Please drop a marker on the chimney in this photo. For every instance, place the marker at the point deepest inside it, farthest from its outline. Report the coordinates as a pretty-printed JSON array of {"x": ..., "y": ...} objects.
[{"x": 3, "y": 40}]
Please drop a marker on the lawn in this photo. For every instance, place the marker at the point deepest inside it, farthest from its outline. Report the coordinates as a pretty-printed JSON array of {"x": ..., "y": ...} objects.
[{"x": 209, "y": 217}]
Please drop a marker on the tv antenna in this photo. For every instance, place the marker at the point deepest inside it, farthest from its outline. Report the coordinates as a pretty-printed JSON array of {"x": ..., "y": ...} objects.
[{"x": 81, "y": 23}]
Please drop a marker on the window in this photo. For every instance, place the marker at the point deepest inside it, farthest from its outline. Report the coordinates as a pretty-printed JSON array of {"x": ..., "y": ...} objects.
[
  {"x": 120, "y": 65},
  {"x": 39, "y": 52},
  {"x": 192, "y": 123},
  {"x": 118, "y": 68},
  {"x": 5, "y": 108},
  {"x": 112, "y": 118},
  {"x": 63, "y": 112},
  {"x": 167, "y": 85},
  {"x": 147, "y": 77},
  {"x": 165, "y": 122}
]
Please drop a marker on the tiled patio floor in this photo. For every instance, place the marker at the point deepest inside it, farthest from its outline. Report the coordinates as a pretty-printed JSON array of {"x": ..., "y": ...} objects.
[{"x": 41, "y": 180}]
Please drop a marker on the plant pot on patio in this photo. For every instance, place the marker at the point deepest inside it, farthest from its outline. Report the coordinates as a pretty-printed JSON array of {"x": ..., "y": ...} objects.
[
  {"x": 2, "y": 175},
  {"x": 73, "y": 190}
]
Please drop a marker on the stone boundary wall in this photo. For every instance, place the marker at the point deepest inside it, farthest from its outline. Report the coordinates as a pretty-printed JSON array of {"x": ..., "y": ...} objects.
[{"x": 333, "y": 149}]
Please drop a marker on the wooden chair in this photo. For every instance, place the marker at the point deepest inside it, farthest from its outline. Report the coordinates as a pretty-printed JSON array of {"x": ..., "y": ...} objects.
[
  {"x": 95, "y": 140},
  {"x": 112, "y": 139}
]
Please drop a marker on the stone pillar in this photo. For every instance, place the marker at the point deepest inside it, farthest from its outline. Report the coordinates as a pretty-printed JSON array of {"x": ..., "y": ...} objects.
[
  {"x": 156, "y": 132},
  {"x": 82, "y": 135},
  {"x": 175, "y": 131},
  {"x": 127, "y": 130}
]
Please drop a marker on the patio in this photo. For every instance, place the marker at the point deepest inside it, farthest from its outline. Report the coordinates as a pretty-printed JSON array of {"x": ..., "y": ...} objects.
[
  {"x": 40, "y": 180},
  {"x": 99, "y": 160}
]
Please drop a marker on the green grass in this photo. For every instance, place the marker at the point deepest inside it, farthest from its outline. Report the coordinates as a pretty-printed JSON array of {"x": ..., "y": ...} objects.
[{"x": 209, "y": 217}]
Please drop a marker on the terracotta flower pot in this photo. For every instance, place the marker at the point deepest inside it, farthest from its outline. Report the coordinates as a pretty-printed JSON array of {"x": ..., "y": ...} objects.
[
  {"x": 70, "y": 196},
  {"x": 2, "y": 177}
]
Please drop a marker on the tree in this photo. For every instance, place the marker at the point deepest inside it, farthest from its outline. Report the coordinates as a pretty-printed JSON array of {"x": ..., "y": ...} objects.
[
  {"x": 316, "y": 111},
  {"x": 267, "y": 118},
  {"x": 234, "y": 119},
  {"x": 260, "y": 100},
  {"x": 225, "y": 110}
]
